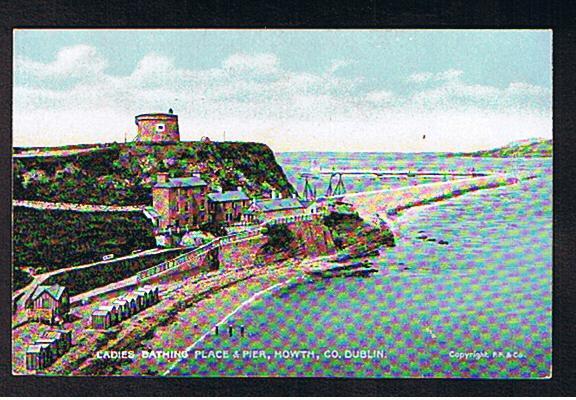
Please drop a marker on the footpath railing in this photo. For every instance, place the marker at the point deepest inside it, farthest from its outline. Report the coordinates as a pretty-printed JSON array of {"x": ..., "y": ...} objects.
[
  {"x": 221, "y": 241},
  {"x": 293, "y": 218},
  {"x": 196, "y": 253}
]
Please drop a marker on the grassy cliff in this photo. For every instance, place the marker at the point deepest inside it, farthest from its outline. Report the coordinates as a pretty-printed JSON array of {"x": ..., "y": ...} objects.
[
  {"x": 525, "y": 148},
  {"x": 46, "y": 240},
  {"x": 123, "y": 174}
]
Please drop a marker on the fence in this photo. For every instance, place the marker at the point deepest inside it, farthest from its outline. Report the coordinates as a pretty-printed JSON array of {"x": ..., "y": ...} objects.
[
  {"x": 221, "y": 241},
  {"x": 196, "y": 253},
  {"x": 293, "y": 218}
]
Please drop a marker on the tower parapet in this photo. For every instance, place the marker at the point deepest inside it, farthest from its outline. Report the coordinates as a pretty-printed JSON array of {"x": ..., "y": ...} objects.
[{"x": 157, "y": 128}]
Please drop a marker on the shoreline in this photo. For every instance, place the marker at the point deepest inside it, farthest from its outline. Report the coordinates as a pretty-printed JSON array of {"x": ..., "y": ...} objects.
[
  {"x": 192, "y": 307},
  {"x": 299, "y": 273}
]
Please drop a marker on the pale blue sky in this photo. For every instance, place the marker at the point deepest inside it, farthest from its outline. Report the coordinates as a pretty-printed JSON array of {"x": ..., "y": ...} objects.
[{"x": 295, "y": 90}]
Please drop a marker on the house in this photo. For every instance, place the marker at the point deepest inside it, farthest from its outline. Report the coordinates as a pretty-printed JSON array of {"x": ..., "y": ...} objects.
[
  {"x": 266, "y": 209},
  {"x": 66, "y": 336},
  {"x": 50, "y": 304},
  {"x": 227, "y": 207},
  {"x": 180, "y": 204},
  {"x": 315, "y": 206},
  {"x": 37, "y": 357}
]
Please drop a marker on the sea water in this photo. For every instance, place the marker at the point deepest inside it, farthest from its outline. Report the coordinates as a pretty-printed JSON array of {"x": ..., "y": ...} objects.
[{"x": 476, "y": 306}]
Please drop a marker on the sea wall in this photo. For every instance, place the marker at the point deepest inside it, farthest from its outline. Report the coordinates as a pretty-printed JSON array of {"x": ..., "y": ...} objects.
[
  {"x": 394, "y": 200},
  {"x": 241, "y": 253}
]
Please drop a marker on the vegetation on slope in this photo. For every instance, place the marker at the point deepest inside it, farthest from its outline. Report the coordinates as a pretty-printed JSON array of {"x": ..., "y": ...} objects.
[
  {"x": 47, "y": 240},
  {"x": 123, "y": 174},
  {"x": 351, "y": 232},
  {"x": 85, "y": 279},
  {"x": 526, "y": 148}
]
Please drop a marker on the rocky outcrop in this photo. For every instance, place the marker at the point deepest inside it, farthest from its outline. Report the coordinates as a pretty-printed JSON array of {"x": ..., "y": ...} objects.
[
  {"x": 300, "y": 239},
  {"x": 356, "y": 237}
]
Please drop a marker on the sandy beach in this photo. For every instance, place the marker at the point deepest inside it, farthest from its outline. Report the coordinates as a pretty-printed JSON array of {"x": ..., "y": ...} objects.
[{"x": 188, "y": 310}]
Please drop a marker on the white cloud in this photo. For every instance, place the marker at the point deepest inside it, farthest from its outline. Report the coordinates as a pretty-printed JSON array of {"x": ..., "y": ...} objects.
[
  {"x": 380, "y": 96},
  {"x": 524, "y": 89},
  {"x": 420, "y": 77},
  {"x": 252, "y": 97},
  {"x": 340, "y": 64},
  {"x": 74, "y": 61},
  {"x": 449, "y": 75},
  {"x": 153, "y": 66},
  {"x": 257, "y": 63},
  {"x": 450, "y": 90}
]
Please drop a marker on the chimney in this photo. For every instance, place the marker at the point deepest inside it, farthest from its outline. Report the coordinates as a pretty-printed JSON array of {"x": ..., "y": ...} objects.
[
  {"x": 162, "y": 177},
  {"x": 273, "y": 194}
]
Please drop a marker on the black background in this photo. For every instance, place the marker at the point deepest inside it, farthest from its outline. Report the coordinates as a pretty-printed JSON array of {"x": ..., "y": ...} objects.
[{"x": 479, "y": 14}]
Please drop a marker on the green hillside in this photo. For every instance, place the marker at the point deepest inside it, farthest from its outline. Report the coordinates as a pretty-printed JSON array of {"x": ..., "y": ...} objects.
[
  {"x": 528, "y": 148},
  {"x": 123, "y": 174}
]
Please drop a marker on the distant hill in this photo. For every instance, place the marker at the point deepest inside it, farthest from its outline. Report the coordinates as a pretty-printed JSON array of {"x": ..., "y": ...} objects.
[
  {"x": 523, "y": 148},
  {"x": 123, "y": 174}
]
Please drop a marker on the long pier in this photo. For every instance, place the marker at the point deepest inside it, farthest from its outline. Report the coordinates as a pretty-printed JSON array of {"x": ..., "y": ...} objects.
[
  {"x": 394, "y": 172},
  {"x": 391, "y": 201},
  {"x": 340, "y": 188}
]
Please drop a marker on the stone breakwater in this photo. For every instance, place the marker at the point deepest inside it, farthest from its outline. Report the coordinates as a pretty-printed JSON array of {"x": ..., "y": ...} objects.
[{"x": 392, "y": 201}]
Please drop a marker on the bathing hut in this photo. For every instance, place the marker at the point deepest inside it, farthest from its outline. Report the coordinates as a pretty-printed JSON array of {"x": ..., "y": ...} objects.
[
  {"x": 62, "y": 340},
  {"x": 150, "y": 294},
  {"x": 101, "y": 319},
  {"x": 133, "y": 303},
  {"x": 37, "y": 357},
  {"x": 66, "y": 336},
  {"x": 52, "y": 349},
  {"x": 141, "y": 300},
  {"x": 146, "y": 297},
  {"x": 156, "y": 293},
  {"x": 124, "y": 307},
  {"x": 114, "y": 309}
]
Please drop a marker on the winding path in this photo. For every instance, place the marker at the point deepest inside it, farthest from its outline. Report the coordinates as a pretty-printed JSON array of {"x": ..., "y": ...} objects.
[{"x": 46, "y": 205}]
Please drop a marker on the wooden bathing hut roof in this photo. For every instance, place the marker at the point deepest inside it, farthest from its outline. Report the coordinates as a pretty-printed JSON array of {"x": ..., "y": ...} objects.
[
  {"x": 110, "y": 307},
  {"x": 48, "y": 341},
  {"x": 53, "y": 335},
  {"x": 121, "y": 301},
  {"x": 34, "y": 348},
  {"x": 101, "y": 312}
]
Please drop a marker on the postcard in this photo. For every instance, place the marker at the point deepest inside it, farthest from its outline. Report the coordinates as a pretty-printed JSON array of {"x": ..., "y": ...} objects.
[{"x": 282, "y": 203}]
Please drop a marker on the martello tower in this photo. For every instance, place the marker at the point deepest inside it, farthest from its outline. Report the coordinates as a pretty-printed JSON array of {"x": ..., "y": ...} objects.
[{"x": 157, "y": 127}]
